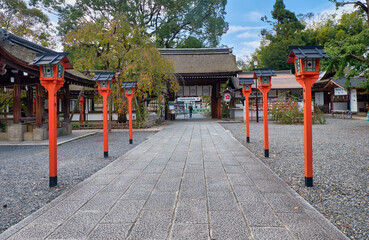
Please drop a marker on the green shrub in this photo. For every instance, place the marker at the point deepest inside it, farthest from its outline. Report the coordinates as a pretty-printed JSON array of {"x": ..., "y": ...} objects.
[
  {"x": 318, "y": 116},
  {"x": 2, "y": 126},
  {"x": 287, "y": 113}
]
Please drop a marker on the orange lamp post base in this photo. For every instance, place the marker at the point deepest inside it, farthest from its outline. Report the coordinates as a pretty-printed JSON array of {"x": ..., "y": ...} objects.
[
  {"x": 264, "y": 90},
  {"x": 130, "y": 96},
  {"x": 105, "y": 92},
  {"x": 52, "y": 87}
]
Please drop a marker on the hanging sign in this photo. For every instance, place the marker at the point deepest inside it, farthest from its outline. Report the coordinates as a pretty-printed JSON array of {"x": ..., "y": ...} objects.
[
  {"x": 188, "y": 99},
  {"x": 227, "y": 97},
  {"x": 340, "y": 92}
]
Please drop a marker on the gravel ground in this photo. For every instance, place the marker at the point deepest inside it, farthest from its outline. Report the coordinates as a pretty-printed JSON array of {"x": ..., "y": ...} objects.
[
  {"x": 340, "y": 158},
  {"x": 24, "y": 170}
]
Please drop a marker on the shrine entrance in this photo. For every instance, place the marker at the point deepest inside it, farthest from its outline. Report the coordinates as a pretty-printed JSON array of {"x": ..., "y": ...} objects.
[{"x": 200, "y": 73}]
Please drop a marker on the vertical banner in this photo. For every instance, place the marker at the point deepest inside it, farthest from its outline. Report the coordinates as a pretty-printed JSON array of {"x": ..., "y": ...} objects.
[{"x": 353, "y": 100}]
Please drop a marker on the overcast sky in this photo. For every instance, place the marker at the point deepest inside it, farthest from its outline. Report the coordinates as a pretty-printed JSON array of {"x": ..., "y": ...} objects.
[{"x": 244, "y": 21}]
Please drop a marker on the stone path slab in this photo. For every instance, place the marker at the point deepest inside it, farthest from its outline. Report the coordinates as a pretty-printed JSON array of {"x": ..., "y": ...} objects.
[{"x": 192, "y": 180}]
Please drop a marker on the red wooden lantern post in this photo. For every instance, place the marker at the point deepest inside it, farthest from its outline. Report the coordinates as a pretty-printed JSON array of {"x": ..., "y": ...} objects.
[
  {"x": 81, "y": 102},
  {"x": 246, "y": 90},
  {"x": 129, "y": 91},
  {"x": 105, "y": 80},
  {"x": 52, "y": 67},
  {"x": 264, "y": 76},
  {"x": 306, "y": 60}
]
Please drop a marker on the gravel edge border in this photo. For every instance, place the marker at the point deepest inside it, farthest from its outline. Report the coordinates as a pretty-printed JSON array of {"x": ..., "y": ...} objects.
[
  {"x": 310, "y": 210},
  {"x": 18, "y": 226}
]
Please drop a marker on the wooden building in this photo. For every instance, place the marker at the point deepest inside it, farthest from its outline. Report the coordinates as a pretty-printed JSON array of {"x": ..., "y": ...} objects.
[
  {"x": 332, "y": 94},
  {"x": 29, "y": 112},
  {"x": 202, "y": 71}
]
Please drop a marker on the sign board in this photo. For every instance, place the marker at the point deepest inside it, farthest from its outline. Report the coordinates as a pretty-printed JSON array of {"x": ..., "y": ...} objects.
[
  {"x": 188, "y": 99},
  {"x": 227, "y": 97},
  {"x": 340, "y": 92},
  {"x": 353, "y": 100}
]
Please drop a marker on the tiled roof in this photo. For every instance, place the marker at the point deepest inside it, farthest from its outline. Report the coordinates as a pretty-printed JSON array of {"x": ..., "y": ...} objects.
[
  {"x": 194, "y": 51},
  {"x": 264, "y": 72},
  {"x": 306, "y": 52},
  {"x": 206, "y": 61},
  {"x": 247, "y": 81},
  {"x": 50, "y": 59},
  {"x": 104, "y": 76},
  {"x": 129, "y": 84},
  {"x": 284, "y": 80}
]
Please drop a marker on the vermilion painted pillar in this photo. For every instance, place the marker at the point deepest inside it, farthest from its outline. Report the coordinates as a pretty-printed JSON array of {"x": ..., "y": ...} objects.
[
  {"x": 307, "y": 82},
  {"x": 247, "y": 93},
  {"x": 264, "y": 90},
  {"x": 52, "y": 88},
  {"x": 130, "y": 97},
  {"x": 81, "y": 102},
  {"x": 105, "y": 94}
]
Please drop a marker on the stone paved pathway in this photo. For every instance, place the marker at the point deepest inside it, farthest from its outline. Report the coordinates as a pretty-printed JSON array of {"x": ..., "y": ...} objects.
[{"x": 192, "y": 180}]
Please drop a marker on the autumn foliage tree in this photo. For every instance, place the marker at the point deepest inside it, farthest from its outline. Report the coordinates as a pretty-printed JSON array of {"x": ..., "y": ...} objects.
[
  {"x": 23, "y": 21},
  {"x": 115, "y": 45}
]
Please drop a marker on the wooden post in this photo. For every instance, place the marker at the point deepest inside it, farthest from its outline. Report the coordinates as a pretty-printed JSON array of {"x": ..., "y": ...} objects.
[
  {"x": 16, "y": 104},
  {"x": 66, "y": 103},
  {"x": 29, "y": 101},
  {"x": 39, "y": 107}
]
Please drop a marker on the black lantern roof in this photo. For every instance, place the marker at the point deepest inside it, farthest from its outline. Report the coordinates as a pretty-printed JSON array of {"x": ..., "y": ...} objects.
[
  {"x": 247, "y": 81},
  {"x": 306, "y": 52},
  {"x": 264, "y": 72},
  {"x": 51, "y": 59},
  {"x": 104, "y": 76},
  {"x": 129, "y": 85}
]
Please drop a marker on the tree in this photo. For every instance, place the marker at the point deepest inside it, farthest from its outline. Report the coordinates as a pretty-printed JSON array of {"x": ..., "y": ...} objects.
[
  {"x": 26, "y": 22},
  {"x": 363, "y": 5},
  {"x": 274, "y": 46},
  {"x": 115, "y": 45},
  {"x": 168, "y": 21},
  {"x": 349, "y": 50}
]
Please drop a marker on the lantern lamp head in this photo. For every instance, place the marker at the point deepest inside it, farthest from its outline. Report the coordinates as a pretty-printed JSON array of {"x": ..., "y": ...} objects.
[
  {"x": 306, "y": 59},
  {"x": 129, "y": 86},
  {"x": 264, "y": 76},
  {"x": 246, "y": 83},
  {"x": 104, "y": 79},
  {"x": 52, "y": 65}
]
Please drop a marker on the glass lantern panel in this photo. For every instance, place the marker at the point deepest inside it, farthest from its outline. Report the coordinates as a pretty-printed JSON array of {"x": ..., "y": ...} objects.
[
  {"x": 103, "y": 84},
  {"x": 47, "y": 70},
  {"x": 247, "y": 87},
  {"x": 110, "y": 84},
  {"x": 298, "y": 65},
  {"x": 60, "y": 70},
  {"x": 265, "y": 80},
  {"x": 310, "y": 65},
  {"x": 129, "y": 90}
]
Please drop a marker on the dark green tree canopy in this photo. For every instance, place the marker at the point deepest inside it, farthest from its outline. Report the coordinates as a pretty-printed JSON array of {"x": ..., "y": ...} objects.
[{"x": 168, "y": 21}]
